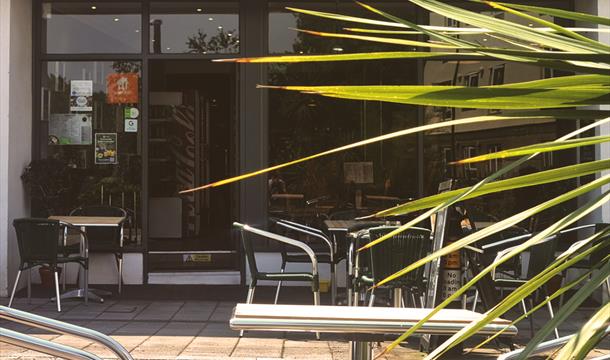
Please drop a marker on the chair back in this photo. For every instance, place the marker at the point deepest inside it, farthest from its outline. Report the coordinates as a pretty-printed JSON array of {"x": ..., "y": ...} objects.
[
  {"x": 541, "y": 256},
  {"x": 102, "y": 238},
  {"x": 38, "y": 240},
  {"x": 246, "y": 240},
  {"x": 397, "y": 252}
]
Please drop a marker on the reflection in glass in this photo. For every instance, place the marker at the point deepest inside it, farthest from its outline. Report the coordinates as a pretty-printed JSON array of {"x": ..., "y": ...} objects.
[
  {"x": 85, "y": 28},
  {"x": 443, "y": 144},
  {"x": 198, "y": 28},
  {"x": 364, "y": 179},
  {"x": 283, "y": 38},
  {"x": 90, "y": 115}
]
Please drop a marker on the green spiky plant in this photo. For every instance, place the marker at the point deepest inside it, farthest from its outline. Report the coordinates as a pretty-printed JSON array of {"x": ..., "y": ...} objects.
[{"x": 545, "y": 45}]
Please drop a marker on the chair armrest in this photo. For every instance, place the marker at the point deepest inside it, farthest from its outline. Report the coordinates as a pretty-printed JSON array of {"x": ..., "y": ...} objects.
[
  {"x": 306, "y": 230},
  {"x": 283, "y": 239}
]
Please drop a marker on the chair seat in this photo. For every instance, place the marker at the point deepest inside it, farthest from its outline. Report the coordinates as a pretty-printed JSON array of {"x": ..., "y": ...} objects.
[
  {"x": 288, "y": 276},
  {"x": 302, "y": 258},
  {"x": 70, "y": 258}
]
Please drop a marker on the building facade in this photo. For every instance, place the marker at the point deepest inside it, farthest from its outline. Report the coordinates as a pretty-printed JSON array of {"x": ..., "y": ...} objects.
[{"x": 120, "y": 103}]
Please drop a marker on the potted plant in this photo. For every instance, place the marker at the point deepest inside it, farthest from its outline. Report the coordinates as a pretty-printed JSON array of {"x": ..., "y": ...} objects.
[{"x": 50, "y": 185}]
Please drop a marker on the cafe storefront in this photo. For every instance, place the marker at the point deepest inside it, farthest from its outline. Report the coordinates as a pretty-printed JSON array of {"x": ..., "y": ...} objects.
[{"x": 126, "y": 97}]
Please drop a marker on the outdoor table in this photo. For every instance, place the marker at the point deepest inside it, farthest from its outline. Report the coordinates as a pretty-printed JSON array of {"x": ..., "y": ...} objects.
[
  {"x": 83, "y": 222},
  {"x": 360, "y": 324},
  {"x": 340, "y": 229}
]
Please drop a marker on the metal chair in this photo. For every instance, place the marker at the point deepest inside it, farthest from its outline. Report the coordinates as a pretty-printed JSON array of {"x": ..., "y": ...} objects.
[
  {"x": 541, "y": 256},
  {"x": 391, "y": 256},
  {"x": 39, "y": 242},
  {"x": 325, "y": 254},
  {"x": 247, "y": 233},
  {"x": 105, "y": 240}
]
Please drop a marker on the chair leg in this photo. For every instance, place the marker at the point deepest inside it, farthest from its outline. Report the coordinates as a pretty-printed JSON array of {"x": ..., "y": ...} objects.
[
  {"x": 372, "y": 298},
  {"x": 29, "y": 285},
  {"x": 64, "y": 270},
  {"x": 550, "y": 307},
  {"x": 86, "y": 281},
  {"x": 316, "y": 301},
  {"x": 475, "y": 300},
  {"x": 10, "y": 302},
  {"x": 120, "y": 280},
  {"x": 333, "y": 284},
  {"x": 57, "y": 291},
  {"x": 531, "y": 318},
  {"x": 249, "y": 300},
  {"x": 279, "y": 284}
]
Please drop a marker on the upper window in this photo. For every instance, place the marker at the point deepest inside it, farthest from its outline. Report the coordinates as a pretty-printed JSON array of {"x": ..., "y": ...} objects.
[
  {"x": 194, "y": 27},
  {"x": 92, "y": 27}
]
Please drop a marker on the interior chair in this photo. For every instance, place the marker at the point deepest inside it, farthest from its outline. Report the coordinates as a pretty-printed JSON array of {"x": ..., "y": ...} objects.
[
  {"x": 107, "y": 240},
  {"x": 541, "y": 256},
  {"x": 390, "y": 256},
  {"x": 249, "y": 234},
  {"x": 323, "y": 248},
  {"x": 40, "y": 243}
]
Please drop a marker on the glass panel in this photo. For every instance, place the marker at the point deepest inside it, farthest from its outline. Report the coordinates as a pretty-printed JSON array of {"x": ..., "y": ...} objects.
[
  {"x": 91, "y": 123},
  {"x": 92, "y": 27},
  {"x": 284, "y": 39},
  {"x": 365, "y": 179},
  {"x": 440, "y": 145},
  {"x": 194, "y": 27}
]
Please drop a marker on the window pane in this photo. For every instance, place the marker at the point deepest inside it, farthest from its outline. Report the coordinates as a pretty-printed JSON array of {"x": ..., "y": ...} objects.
[
  {"x": 367, "y": 178},
  {"x": 197, "y": 27},
  {"x": 284, "y": 39},
  {"x": 90, "y": 122},
  {"x": 442, "y": 144},
  {"x": 92, "y": 27}
]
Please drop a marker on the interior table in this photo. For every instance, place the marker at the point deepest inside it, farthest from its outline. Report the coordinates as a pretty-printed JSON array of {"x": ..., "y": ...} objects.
[
  {"x": 342, "y": 230},
  {"x": 84, "y": 222}
]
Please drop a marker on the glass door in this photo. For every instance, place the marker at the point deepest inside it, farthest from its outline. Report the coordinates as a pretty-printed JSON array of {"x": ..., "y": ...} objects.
[{"x": 190, "y": 143}]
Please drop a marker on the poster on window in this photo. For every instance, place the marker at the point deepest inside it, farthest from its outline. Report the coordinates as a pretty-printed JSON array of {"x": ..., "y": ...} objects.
[
  {"x": 81, "y": 95},
  {"x": 122, "y": 88},
  {"x": 70, "y": 129},
  {"x": 106, "y": 148}
]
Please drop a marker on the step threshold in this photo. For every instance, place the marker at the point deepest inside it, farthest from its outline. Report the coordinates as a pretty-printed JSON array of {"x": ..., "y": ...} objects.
[{"x": 195, "y": 278}]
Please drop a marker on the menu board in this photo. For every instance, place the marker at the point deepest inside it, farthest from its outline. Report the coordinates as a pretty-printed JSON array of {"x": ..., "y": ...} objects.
[
  {"x": 106, "y": 148},
  {"x": 70, "y": 129}
]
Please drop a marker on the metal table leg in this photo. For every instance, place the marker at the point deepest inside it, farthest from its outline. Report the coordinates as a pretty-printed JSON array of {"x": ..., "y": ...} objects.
[{"x": 360, "y": 350}]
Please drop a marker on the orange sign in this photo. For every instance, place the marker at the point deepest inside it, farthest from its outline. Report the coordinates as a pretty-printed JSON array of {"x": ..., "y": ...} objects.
[{"x": 122, "y": 88}]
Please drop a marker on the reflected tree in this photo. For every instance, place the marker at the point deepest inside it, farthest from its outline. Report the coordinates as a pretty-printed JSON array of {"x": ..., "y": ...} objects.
[{"x": 223, "y": 42}]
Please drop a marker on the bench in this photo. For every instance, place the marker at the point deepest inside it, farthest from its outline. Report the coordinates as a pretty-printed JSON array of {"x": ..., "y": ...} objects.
[{"x": 364, "y": 322}]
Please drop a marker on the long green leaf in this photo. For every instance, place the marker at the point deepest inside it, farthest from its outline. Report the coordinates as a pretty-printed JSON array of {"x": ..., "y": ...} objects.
[
  {"x": 589, "y": 335},
  {"x": 530, "y": 286},
  {"x": 479, "y": 119},
  {"x": 383, "y": 40},
  {"x": 568, "y": 308},
  {"x": 485, "y": 97},
  {"x": 538, "y": 178},
  {"x": 505, "y": 27},
  {"x": 352, "y": 57},
  {"x": 540, "y": 55},
  {"x": 559, "y": 29},
  {"x": 572, "y": 15},
  {"x": 530, "y": 149}
]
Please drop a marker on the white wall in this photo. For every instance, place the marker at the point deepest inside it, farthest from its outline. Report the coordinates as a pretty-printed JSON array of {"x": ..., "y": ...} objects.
[{"x": 15, "y": 126}]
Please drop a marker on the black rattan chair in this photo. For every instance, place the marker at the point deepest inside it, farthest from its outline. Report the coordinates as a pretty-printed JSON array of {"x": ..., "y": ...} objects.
[
  {"x": 40, "y": 243},
  {"x": 105, "y": 240},
  {"x": 391, "y": 256}
]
